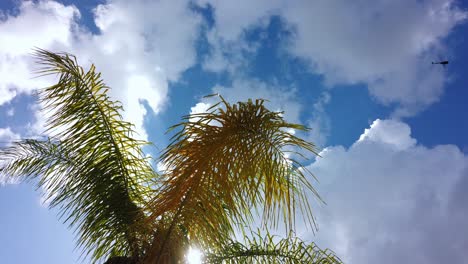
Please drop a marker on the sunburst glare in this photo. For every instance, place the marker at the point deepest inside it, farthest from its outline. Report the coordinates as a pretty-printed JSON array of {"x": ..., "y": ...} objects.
[{"x": 194, "y": 256}]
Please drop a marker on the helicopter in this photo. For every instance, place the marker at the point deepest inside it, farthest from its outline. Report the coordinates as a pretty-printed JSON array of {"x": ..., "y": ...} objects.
[{"x": 443, "y": 63}]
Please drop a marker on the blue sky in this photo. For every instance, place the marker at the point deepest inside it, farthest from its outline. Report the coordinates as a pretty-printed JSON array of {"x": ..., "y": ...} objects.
[{"x": 391, "y": 125}]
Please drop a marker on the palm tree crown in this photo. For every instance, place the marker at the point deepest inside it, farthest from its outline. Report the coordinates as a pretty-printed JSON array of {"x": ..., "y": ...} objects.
[{"x": 221, "y": 166}]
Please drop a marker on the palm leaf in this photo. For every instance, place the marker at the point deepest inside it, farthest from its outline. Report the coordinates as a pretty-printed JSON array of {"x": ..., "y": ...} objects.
[
  {"x": 93, "y": 169},
  {"x": 267, "y": 249}
]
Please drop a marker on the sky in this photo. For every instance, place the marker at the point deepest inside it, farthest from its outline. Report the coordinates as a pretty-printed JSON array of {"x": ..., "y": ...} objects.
[{"x": 391, "y": 126}]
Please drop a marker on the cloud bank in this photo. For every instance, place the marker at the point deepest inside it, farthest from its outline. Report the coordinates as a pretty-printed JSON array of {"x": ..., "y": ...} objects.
[{"x": 391, "y": 200}]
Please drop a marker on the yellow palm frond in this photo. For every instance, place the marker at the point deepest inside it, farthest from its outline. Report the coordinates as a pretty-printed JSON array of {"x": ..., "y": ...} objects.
[{"x": 225, "y": 163}]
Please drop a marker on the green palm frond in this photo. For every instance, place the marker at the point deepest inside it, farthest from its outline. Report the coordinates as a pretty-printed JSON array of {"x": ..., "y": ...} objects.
[
  {"x": 225, "y": 163},
  {"x": 28, "y": 158},
  {"x": 266, "y": 249},
  {"x": 93, "y": 169}
]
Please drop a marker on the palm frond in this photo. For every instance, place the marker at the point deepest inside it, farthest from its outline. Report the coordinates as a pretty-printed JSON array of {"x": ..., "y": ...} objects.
[
  {"x": 267, "y": 249},
  {"x": 26, "y": 159},
  {"x": 94, "y": 169},
  {"x": 225, "y": 163}
]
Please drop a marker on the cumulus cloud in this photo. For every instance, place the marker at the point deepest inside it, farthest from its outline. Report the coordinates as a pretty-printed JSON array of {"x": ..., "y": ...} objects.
[
  {"x": 45, "y": 24},
  {"x": 393, "y": 133},
  {"x": 199, "y": 108},
  {"x": 390, "y": 200},
  {"x": 141, "y": 46}
]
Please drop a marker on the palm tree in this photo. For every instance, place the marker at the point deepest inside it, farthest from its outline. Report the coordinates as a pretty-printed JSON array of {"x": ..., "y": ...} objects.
[{"x": 221, "y": 166}]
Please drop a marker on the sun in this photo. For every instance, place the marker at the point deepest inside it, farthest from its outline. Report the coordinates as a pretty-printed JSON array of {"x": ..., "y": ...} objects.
[{"x": 194, "y": 256}]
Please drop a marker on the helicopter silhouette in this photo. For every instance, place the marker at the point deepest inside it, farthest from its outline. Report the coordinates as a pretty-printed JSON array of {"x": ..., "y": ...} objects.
[{"x": 443, "y": 63}]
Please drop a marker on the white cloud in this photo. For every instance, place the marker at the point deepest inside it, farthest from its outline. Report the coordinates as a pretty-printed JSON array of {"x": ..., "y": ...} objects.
[
  {"x": 140, "y": 48},
  {"x": 199, "y": 108},
  {"x": 390, "y": 200},
  {"x": 229, "y": 55},
  {"x": 45, "y": 24},
  {"x": 164, "y": 31},
  {"x": 233, "y": 17},
  {"x": 393, "y": 133}
]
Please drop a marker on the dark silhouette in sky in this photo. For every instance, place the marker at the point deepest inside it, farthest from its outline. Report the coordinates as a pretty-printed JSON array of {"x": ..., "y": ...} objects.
[{"x": 443, "y": 63}]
